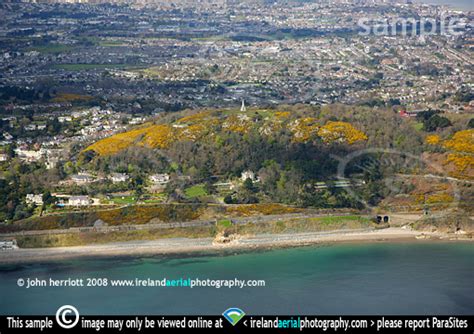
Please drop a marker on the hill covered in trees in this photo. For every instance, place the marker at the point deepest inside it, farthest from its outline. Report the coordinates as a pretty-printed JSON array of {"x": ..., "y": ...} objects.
[
  {"x": 213, "y": 126},
  {"x": 291, "y": 150}
]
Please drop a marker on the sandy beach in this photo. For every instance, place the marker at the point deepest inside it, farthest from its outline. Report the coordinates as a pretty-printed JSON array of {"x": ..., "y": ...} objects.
[{"x": 178, "y": 246}]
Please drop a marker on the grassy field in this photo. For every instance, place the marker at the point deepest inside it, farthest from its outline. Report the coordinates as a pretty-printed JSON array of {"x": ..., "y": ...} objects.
[
  {"x": 418, "y": 126},
  {"x": 81, "y": 67},
  {"x": 155, "y": 200},
  {"x": 224, "y": 223},
  {"x": 214, "y": 38},
  {"x": 124, "y": 200},
  {"x": 52, "y": 48},
  {"x": 334, "y": 220},
  {"x": 151, "y": 72},
  {"x": 319, "y": 224},
  {"x": 195, "y": 191},
  {"x": 112, "y": 43}
]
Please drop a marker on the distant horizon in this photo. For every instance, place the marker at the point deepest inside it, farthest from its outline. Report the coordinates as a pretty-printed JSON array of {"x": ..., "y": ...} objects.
[{"x": 455, "y": 4}]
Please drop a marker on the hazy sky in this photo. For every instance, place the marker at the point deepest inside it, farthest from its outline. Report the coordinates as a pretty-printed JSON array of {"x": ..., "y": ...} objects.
[{"x": 458, "y": 4}]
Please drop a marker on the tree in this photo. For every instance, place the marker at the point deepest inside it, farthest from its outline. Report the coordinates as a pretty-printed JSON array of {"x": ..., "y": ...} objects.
[
  {"x": 229, "y": 199},
  {"x": 436, "y": 122},
  {"x": 426, "y": 115},
  {"x": 48, "y": 199},
  {"x": 470, "y": 125},
  {"x": 85, "y": 158},
  {"x": 22, "y": 212},
  {"x": 209, "y": 187},
  {"x": 54, "y": 127},
  {"x": 138, "y": 183},
  {"x": 249, "y": 186}
]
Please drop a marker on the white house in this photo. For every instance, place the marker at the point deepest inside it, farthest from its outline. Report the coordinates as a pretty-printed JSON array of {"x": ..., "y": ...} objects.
[
  {"x": 53, "y": 156},
  {"x": 79, "y": 201},
  {"x": 51, "y": 162},
  {"x": 34, "y": 199},
  {"x": 160, "y": 178},
  {"x": 137, "y": 120},
  {"x": 81, "y": 178},
  {"x": 119, "y": 177},
  {"x": 7, "y": 136},
  {"x": 248, "y": 174},
  {"x": 63, "y": 119},
  {"x": 30, "y": 127},
  {"x": 28, "y": 155},
  {"x": 3, "y": 157}
]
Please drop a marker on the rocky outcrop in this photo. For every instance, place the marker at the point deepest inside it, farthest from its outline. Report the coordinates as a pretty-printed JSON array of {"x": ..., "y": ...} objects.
[{"x": 453, "y": 223}]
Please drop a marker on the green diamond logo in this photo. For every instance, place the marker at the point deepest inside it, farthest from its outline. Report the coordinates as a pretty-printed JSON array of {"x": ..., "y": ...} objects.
[{"x": 233, "y": 315}]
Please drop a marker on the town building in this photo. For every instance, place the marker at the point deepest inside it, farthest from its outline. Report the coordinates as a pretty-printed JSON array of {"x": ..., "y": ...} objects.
[
  {"x": 79, "y": 201},
  {"x": 248, "y": 174},
  {"x": 119, "y": 177},
  {"x": 160, "y": 178},
  {"x": 82, "y": 178},
  {"x": 36, "y": 199}
]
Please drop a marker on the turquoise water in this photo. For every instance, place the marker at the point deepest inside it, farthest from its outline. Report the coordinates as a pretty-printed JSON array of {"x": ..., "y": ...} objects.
[
  {"x": 456, "y": 4},
  {"x": 425, "y": 278}
]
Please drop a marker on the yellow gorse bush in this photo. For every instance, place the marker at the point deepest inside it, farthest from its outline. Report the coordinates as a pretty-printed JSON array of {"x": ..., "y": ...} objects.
[
  {"x": 304, "y": 129},
  {"x": 341, "y": 132},
  {"x": 118, "y": 142},
  {"x": 282, "y": 114},
  {"x": 461, "y": 161},
  {"x": 194, "y": 117},
  {"x": 240, "y": 123},
  {"x": 159, "y": 136},
  {"x": 462, "y": 141},
  {"x": 432, "y": 140},
  {"x": 203, "y": 125},
  {"x": 439, "y": 198}
]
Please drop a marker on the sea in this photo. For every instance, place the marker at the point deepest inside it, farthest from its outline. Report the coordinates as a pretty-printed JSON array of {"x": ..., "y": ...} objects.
[
  {"x": 467, "y": 5},
  {"x": 378, "y": 278}
]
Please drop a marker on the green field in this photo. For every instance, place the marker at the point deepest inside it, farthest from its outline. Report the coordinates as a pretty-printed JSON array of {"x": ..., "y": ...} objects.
[
  {"x": 124, "y": 200},
  {"x": 224, "y": 223},
  {"x": 214, "y": 38},
  {"x": 81, "y": 67},
  {"x": 341, "y": 219},
  {"x": 151, "y": 71},
  {"x": 160, "y": 198},
  {"x": 52, "y": 48},
  {"x": 418, "y": 126},
  {"x": 195, "y": 191},
  {"x": 111, "y": 43},
  {"x": 317, "y": 224}
]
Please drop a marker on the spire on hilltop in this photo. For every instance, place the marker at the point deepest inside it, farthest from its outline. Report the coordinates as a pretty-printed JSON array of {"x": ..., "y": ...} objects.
[{"x": 243, "y": 108}]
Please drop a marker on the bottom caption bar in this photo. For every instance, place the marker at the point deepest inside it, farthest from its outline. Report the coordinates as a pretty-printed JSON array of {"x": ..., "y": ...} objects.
[{"x": 234, "y": 320}]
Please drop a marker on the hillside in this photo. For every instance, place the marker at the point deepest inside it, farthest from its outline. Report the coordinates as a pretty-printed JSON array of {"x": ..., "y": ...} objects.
[
  {"x": 208, "y": 125},
  {"x": 296, "y": 154}
]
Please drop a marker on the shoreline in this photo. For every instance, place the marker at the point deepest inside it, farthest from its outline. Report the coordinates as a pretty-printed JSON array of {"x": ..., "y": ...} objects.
[{"x": 193, "y": 247}]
